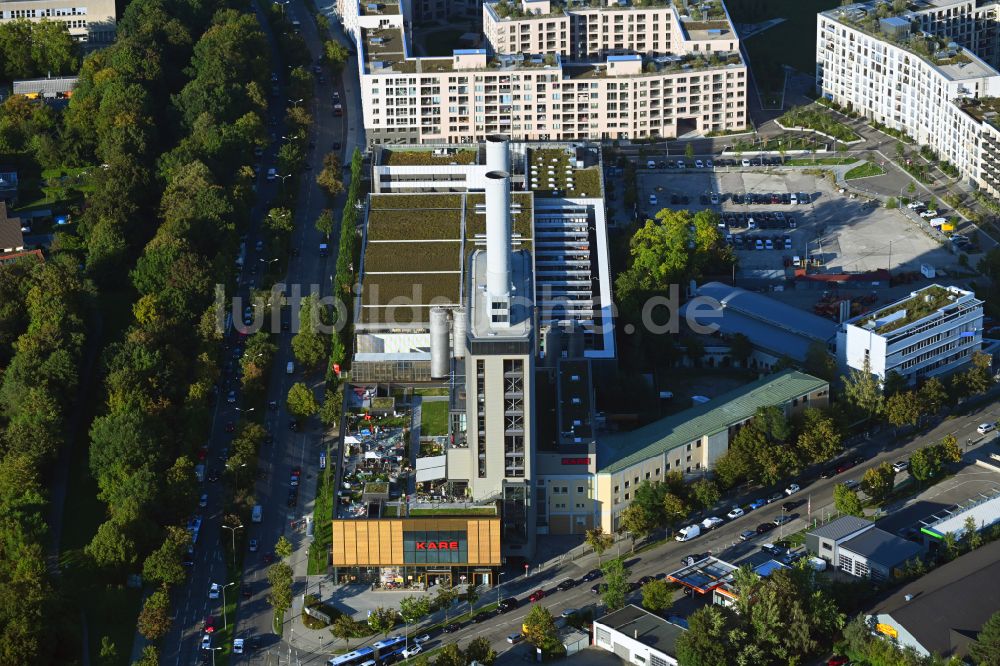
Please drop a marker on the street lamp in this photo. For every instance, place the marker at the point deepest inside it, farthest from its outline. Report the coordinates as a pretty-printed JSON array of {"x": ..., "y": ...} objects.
[
  {"x": 268, "y": 261},
  {"x": 233, "y": 530},
  {"x": 213, "y": 653},
  {"x": 296, "y": 102},
  {"x": 237, "y": 472},
  {"x": 499, "y": 587},
  {"x": 240, "y": 409},
  {"x": 283, "y": 179},
  {"x": 225, "y": 620}
]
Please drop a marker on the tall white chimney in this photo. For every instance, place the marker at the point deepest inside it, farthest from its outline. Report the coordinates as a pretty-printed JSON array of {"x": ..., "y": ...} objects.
[
  {"x": 498, "y": 236},
  {"x": 497, "y": 153}
]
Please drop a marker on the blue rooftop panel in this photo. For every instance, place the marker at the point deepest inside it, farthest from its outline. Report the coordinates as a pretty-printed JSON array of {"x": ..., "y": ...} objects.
[
  {"x": 469, "y": 51},
  {"x": 623, "y": 58}
]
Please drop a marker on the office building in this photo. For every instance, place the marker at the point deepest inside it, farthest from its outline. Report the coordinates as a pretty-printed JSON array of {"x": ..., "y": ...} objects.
[
  {"x": 825, "y": 541},
  {"x": 551, "y": 71},
  {"x": 94, "y": 23},
  {"x": 941, "y": 612},
  {"x": 929, "y": 71},
  {"x": 691, "y": 441},
  {"x": 933, "y": 331},
  {"x": 638, "y": 637},
  {"x": 876, "y": 554}
]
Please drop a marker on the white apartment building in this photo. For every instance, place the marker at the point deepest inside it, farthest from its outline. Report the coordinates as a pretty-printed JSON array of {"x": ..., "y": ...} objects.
[
  {"x": 934, "y": 330},
  {"x": 918, "y": 72},
  {"x": 553, "y": 71},
  {"x": 94, "y": 22}
]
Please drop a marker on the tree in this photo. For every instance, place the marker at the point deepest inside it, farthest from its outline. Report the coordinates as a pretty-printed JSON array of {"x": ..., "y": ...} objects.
[
  {"x": 335, "y": 54},
  {"x": 283, "y": 547},
  {"x": 450, "y": 655},
  {"x": 479, "y": 650},
  {"x": 819, "y": 363},
  {"x": 706, "y": 493},
  {"x": 706, "y": 642},
  {"x": 740, "y": 348},
  {"x": 325, "y": 223},
  {"x": 925, "y": 463},
  {"x": 111, "y": 546},
  {"x": 109, "y": 651},
  {"x": 382, "y": 620},
  {"x": 933, "y": 395},
  {"x": 616, "y": 580},
  {"x": 413, "y": 609},
  {"x": 985, "y": 650},
  {"x": 674, "y": 508},
  {"x": 445, "y": 597},
  {"x": 280, "y": 220},
  {"x": 308, "y": 347},
  {"x": 599, "y": 541},
  {"x": 657, "y": 596},
  {"x": 150, "y": 657},
  {"x": 638, "y": 521},
  {"x": 165, "y": 564},
  {"x": 279, "y": 575},
  {"x": 301, "y": 402},
  {"x": 819, "y": 437},
  {"x": 977, "y": 379},
  {"x": 948, "y": 449},
  {"x": 154, "y": 618},
  {"x": 540, "y": 630},
  {"x": 329, "y": 177},
  {"x": 878, "y": 482},
  {"x": 343, "y": 628},
  {"x": 861, "y": 388},
  {"x": 847, "y": 501},
  {"x": 689, "y": 150},
  {"x": 471, "y": 595},
  {"x": 894, "y": 383},
  {"x": 970, "y": 531},
  {"x": 902, "y": 409}
]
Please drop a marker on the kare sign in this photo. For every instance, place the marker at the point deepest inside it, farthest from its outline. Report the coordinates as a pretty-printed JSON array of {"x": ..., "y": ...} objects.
[{"x": 435, "y": 547}]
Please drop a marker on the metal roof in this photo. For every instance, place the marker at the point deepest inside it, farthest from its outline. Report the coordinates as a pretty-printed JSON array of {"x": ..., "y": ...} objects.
[
  {"x": 881, "y": 547},
  {"x": 768, "y": 323},
  {"x": 945, "y": 608},
  {"x": 984, "y": 512},
  {"x": 704, "y": 575},
  {"x": 841, "y": 527},
  {"x": 649, "y": 629},
  {"x": 621, "y": 450}
]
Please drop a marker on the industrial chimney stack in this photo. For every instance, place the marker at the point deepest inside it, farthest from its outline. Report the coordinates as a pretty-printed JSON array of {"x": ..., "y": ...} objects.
[{"x": 498, "y": 245}]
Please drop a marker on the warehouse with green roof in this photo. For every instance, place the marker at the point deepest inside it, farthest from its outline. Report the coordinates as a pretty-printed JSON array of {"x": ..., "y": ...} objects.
[{"x": 691, "y": 441}]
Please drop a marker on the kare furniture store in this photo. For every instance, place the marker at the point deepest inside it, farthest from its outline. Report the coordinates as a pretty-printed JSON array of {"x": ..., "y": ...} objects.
[{"x": 416, "y": 552}]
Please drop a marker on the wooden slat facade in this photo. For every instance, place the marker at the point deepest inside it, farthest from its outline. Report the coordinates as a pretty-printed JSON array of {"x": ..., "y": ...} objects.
[{"x": 373, "y": 543}]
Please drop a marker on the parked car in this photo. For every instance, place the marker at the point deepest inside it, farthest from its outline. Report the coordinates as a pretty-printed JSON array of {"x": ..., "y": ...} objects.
[
  {"x": 756, "y": 504},
  {"x": 508, "y": 604},
  {"x": 711, "y": 522},
  {"x": 986, "y": 428},
  {"x": 789, "y": 506},
  {"x": 203, "y": 500},
  {"x": 593, "y": 574},
  {"x": 412, "y": 651},
  {"x": 566, "y": 584},
  {"x": 451, "y": 628},
  {"x": 775, "y": 497},
  {"x": 900, "y": 465},
  {"x": 652, "y": 199},
  {"x": 782, "y": 519},
  {"x": 599, "y": 588},
  {"x": 764, "y": 528},
  {"x": 422, "y": 638},
  {"x": 514, "y": 639},
  {"x": 851, "y": 484},
  {"x": 568, "y": 613},
  {"x": 734, "y": 513},
  {"x": 792, "y": 489},
  {"x": 746, "y": 535},
  {"x": 699, "y": 164}
]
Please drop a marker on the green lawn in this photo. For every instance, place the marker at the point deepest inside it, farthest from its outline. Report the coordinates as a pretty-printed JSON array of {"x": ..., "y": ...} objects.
[
  {"x": 866, "y": 170},
  {"x": 791, "y": 43},
  {"x": 45, "y": 192},
  {"x": 434, "y": 418},
  {"x": 819, "y": 119}
]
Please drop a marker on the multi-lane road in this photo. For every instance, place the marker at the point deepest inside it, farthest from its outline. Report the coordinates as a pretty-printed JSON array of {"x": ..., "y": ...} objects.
[
  {"x": 308, "y": 272},
  {"x": 722, "y": 542}
]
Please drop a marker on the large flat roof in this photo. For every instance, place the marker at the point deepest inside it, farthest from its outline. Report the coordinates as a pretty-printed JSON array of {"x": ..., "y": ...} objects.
[
  {"x": 645, "y": 627},
  {"x": 622, "y": 450},
  {"x": 944, "y": 609},
  {"x": 984, "y": 512},
  {"x": 881, "y": 547},
  {"x": 781, "y": 328},
  {"x": 841, "y": 527}
]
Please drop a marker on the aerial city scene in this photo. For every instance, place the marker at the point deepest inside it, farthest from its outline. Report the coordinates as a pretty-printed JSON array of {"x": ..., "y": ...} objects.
[{"x": 483, "y": 332}]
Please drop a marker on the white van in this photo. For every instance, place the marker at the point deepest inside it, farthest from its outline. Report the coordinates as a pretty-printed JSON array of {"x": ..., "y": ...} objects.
[
  {"x": 290, "y": 368},
  {"x": 688, "y": 533},
  {"x": 257, "y": 513},
  {"x": 938, "y": 221}
]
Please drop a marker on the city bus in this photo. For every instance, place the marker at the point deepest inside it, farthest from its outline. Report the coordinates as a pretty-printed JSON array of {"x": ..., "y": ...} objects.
[
  {"x": 354, "y": 658},
  {"x": 388, "y": 650}
]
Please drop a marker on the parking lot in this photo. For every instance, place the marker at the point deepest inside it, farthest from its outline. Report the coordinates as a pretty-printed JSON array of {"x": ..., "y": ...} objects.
[{"x": 769, "y": 227}]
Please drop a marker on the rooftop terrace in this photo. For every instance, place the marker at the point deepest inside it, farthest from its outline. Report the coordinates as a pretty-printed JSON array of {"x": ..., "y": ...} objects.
[
  {"x": 920, "y": 304},
  {"x": 377, "y": 8},
  {"x": 983, "y": 109}
]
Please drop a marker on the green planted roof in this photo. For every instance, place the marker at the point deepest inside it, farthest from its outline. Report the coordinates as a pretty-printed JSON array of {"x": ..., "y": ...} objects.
[{"x": 622, "y": 450}]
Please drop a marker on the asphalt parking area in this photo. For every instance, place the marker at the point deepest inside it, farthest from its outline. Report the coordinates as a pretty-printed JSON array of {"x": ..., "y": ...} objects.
[
  {"x": 969, "y": 484},
  {"x": 838, "y": 233}
]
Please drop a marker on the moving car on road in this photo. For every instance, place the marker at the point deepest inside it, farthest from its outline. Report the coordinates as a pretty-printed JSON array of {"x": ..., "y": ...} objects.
[
  {"x": 985, "y": 428},
  {"x": 213, "y": 591},
  {"x": 537, "y": 595}
]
